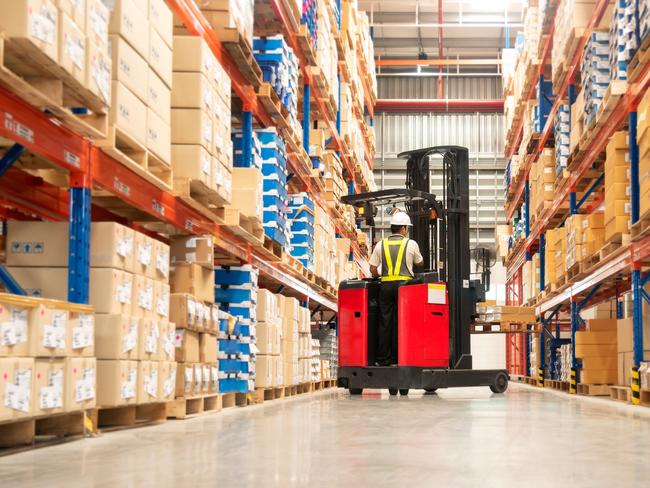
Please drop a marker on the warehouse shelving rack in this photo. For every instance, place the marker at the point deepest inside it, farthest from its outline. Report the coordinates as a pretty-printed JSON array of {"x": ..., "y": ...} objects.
[
  {"x": 622, "y": 270},
  {"x": 101, "y": 188}
]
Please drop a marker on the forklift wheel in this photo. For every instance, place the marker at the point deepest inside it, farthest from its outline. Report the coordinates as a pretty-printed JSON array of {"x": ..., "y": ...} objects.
[
  {"x": 404, "y": 391},
  {"x": 355, "y": 391},
  {"x": 500, "y": 383},
  {"x": 430, "y": 390},
  {"x": 392, "y": 391}
]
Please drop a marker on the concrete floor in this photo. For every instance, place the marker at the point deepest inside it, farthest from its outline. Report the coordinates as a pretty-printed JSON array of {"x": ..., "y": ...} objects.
[{"x": 458, "y": 438}]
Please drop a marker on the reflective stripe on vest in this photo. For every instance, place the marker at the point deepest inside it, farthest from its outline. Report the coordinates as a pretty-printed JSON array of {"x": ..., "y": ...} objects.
[{"x": 397, "y": 271}]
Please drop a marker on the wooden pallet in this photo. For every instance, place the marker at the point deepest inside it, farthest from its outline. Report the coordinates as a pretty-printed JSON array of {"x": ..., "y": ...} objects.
[
  {"x": 645, "y": 397},
  {"x": 229, "y": 400},
  {"x": 131, "y": 153},
  {"x": 198, "y": 191},
  {"x": 247, "y": 228},
  {"x": 593, "y": 390},
  {"x": 29, "y": 73},
  {"x": 614, "y": 244},
  {"x": 573, "y": 272},
  {"x": 189, "y": 407},
  {"x": 567, "y": 56},
  {"x": 615, "y": 90},
  {"x": 271, "y": 250},
  {"x": 305, "y": 45},
  {"x": 639, "y": 61},
  {"x": 242, "y": 54},
  {"x": 641, "y": 228},
  {"x": 587, "y": 264},
  {"x": 620, "y": 393},
  {"x": 108, "y": 419},
  {"x": 29, "y": 433}
]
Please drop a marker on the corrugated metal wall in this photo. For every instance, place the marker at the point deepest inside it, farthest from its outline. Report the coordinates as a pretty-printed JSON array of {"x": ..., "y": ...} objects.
[{"x": 466, "y": 87}]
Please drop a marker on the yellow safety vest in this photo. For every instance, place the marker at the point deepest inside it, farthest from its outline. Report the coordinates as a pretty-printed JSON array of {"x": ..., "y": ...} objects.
[{"x": 397, "y": 271}]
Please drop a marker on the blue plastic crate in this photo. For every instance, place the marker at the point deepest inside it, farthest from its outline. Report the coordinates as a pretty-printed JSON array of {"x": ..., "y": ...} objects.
[
  {"x": 276, "y": 235},
  {"x": 302, "y": 226},
  {"x": 229, "y": 346},
  {"x": 276, "y": 185},
  {"x": 233, "y": 366},
  {"x": 302, "y": 240},
  {"x": 232, "y": 385},
  {"x": 240, "y": 275},
  {"x": 234, "y": 295},
  {"x": 244, "y": 312}
]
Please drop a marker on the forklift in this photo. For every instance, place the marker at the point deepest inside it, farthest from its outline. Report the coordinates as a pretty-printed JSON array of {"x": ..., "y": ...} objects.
[{"x": 435, "y": 308}]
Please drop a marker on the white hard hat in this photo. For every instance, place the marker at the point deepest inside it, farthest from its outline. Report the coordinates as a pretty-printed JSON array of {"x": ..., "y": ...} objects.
[{"x": 401, "y": 219}]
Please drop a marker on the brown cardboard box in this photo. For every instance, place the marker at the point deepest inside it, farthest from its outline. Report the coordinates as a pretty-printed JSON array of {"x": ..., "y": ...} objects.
[
  {"x": 248, "y": 197},
  {"x": 116, "y": 336},
  {"x": 197, "y": 387},
  {"x": 617, "y": 191},
  {"x": 193, "y": 162},
  {"x": 111, "y": 291},
  {"x": 205, "y": 378},
  {"x": 160, "y": 57},
  {"x": 16, "y": 387},
  {"x": 166, "y": 380},
  {"x": 267, "y": 306},
  {"x": 182, "y": 311},
  {"x": 264, "y": 377},
  {"x": 192, "y": 90},
  {"x": 15, "y": 329},
  {"x": 187, "y": 346},
  {"x": 80, "y": 384},
  {"x": 49, "y": 378},
  {"x": 147, "y": 382},
  {"x": 42, "y": 282},
  {"x": 193, "y": 279},
  {"x": 600, "y": 362},
  {"x": 291, "y": 306},
  {"x": 97, "y": 20},
  {"x": 161, "y": 19},
  {"x": 161, "y": 300},
  {"x": 192, "y": 249},
  {"x": 598, "y": 350},
  {"x": 112, "y": 245},
  {"x": 76, "y": 10},
  {"x": 81, "y": 334},
  {"x": 599, "y": 376},
  {"x": 584, "y": 337},
  {"x": 625, "y": 334},
  {"x": 192, "y": 126},
  {"x": 167, "y": 341},
  {"x": 144, "y": 255},
  {"x": 131, "y": 23},
  {"x": 159, "y": 136},
  {"x": 117, "y": 382},
  {"x": 98, "y": 70},
  {"x": 159, "y": 97},
  {"x": 129, "y": 67},
  {"x": 149, "y": 340},
  {"x": 604, "y": 324},
  {"x": 265, "y": 337},
  {"x": 184, "y": 379},
  {"x": 214, "y": 378},
  {"x": 37, "y": 243},
  {"x": 624, "y": 368},
  {"x": 618, "y": 225},
  {"x": 192, "y": 54},
  {"x": 143, "y": 296},
  {"x": 161, "y": 268},
  {"x": 128, "y": 112},
  {"x": 208, "y": 348},
  {"x": 18, "y": 17},
  {"x": 72, "y": 48},
  {"x": 48, "y": 332}
]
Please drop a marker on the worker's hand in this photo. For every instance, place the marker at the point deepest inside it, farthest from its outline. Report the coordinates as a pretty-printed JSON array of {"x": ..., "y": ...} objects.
[{"x": 374, "y": 272}]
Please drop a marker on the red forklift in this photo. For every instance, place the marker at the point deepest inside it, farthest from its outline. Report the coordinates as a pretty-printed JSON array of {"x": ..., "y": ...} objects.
[{"x": 435, "y": 309}]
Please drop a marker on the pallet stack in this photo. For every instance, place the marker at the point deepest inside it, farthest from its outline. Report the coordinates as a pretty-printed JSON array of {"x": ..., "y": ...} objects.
[
  {"x": 574, "y": 238},
  {"x": 623, "y": 36},
  {"x": 562, "y": 131},
  {"x": 305, "y": 353},
  {"x": 326, "y": 51},
  {"x": 617, "y": 187},
  {"x": 289, "y": 345},
  {"x": 550, "y": 265},
  {"x": 324, "y": 247},
  {"x": 230, "y": 14},
  {"x": 542, "y": 179},
  {"x": 329, "y": 352},
  {"x": 596, "y": 348},
  {"x": 593, "y": 229},
  {"x": 643, "y": 124},
  {"x": 559, "y": 243},
  {"x": 268, "y": 366}
]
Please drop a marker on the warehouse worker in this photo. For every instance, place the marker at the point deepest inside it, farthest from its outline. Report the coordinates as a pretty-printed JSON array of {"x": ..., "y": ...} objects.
[{"x": 396, "y": 254}]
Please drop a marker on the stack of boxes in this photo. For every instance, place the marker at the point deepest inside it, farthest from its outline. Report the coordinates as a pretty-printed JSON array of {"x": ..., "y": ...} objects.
[
  {"x": 248, "y": 197},
  {"x": 642, "y": 137},
  {"x": 617, "y": 186},
  {"x": 236, "y": 293},
  {"x": 550, "y": 265},
  {"x": 280, "y": 68},
  {"x": 574, "y": 238},
  {"x": 329, "y": 351},
  {"x": 542, "y": 179},
  {"x": 596, "y": 348},
  {"x": 326, "y": 52},
  {"x": 302, "y": 217},
  {"x": 289, "y": 344},
  {"x": 623, "y": 35},
  {"x": 141, "y": 49},
  {"x": 230, "y": 14},
  {"x": 595, "y": 74},
  {"x": 593, "y": 230},
  {"x": 305, "y": 354},
  {"x": 268, "y": 363},
  {"x": 625, "y": 346},
  {"x": 325, "y": 252},
  {"x": 558, "y": 242},
  {"x": 316, "y": 367},
  {"x": 274, "y": 171},
  {"x": 47, "y": 362},
  {"x": 195, "y": 316},
  {"x": 566, "y": 362},
  {"x": 255, "y": 160},
  {"x": 201, "y": 117},
  {"x": 562, "y": 130}
]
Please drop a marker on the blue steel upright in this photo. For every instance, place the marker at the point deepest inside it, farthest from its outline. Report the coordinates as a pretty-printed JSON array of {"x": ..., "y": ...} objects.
[
  {"x": 637, "y": 283},
  {"x": 542, "y": 261},
  {"x": 79, "y": 245},
  {"x": 247, "y": 138},
  {"x": 306, "y": 124}
]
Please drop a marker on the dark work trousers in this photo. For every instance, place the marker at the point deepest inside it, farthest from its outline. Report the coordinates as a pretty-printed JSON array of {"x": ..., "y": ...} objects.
[{"x": 387, "y": 331}]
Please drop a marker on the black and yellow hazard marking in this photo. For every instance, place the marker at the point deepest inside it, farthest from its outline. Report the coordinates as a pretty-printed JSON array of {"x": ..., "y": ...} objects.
[
  {"x": 540, "y": 377},
  {"x": 573, "y": 384},
  {"x": 636, "y": 386}
]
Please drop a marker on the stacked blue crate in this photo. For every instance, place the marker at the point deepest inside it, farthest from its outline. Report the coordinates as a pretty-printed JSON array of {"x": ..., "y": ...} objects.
[
  {"x": 301, "y": 215},
  {"x": 595, "y": 74},
  {"x": 275, "y": 197},
  {"x": 544, "y": 104},
  {"x": 562, "y": 130},
  {"x": 256, "y": 151},
  {"x": 309, "y": 17},
  {"x": 623, "y": 34},
  {"x": 236, "y": 293},
  {"x": 279, "y": 68}
]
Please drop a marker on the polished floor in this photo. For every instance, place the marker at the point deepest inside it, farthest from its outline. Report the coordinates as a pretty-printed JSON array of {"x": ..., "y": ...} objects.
[{"x": 457, "y": 438}]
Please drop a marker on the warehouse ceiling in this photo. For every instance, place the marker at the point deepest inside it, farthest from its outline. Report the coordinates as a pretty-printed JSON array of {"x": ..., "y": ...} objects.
[{"x": 471, "y": 30}]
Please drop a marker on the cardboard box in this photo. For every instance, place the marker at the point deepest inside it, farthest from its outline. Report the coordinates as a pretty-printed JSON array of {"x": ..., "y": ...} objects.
[
  {"x": 112, "y": 245},
  {"x": 214, "y": 378},
  {"x": 267, "y": 306},
  {"x": 128, "y": 112},
  {"x": 248, "y": 197},
  {"x": 129, "y": 67},
  {"x": 192, "y": 54},
  {"x": 193, "y": 162},
  {"x": 187, "y": 346},
  {"x": 599, "y": 376},
  {"x": 72, "y": 48},
  {"x": 192, "y": 90},
  {"x": 111, "y": 291},
  {"x": 42, "y": 282},
  {"x": 18, "y": 18},
  {"x": 149, "y": 340},
  {"x": 600, "y": 362},
  {"x": 625, "y": 360},
  {"x": 37, "y": 243},
  {"x": 131, "y": 23},
  {"x": 16, "y": 387},
  {"x": 98, "y": 70},
  {"x": 167, "y": 341},
  {"x": 81, "y": 334},
  {"x": 585, "y": 337},
  {"x": 147, "y": 382},
  {"x": 192, "y": 249},
  {"x": 80, "y": 384},
  {"x": 144, "y": 255},
  {"x": 143, "y": 297},
  {"x": 160, "y": 57},
  {"x": 159, "y": 97},
  {"x": 48, "y": 332},
  {"x": 617, "y": 225},
  {"x": 194, "y": 280},
  {"x": 264, "y": 376},
  {"x": 184, "y": 379},
  {"x": 117, "y": 382},
  {"x": 208, "y": 347},
  {"x": 595, "y": 350},
  {"x": 265, "y": 337},
  {"x": 182, "y": 311},
  {"x": 116, "y": 336},
  {"x": 161, "y": 269},
  {"x": 15, "y": 329},
  {"x": 291, "y": 308},
  {"x": 192, "y": 126},
  {"x": 161, "y": 19},
  {"x": 161, "y": 300},
  {"x": 205, "y": 378},
  {"x": 49, "y": 378},
  {"x": 97, "y": 20},
  {"x": 166, "y": 380},
  {"x": 159, "y": 136},
  {"x": 604, "y": 325}
]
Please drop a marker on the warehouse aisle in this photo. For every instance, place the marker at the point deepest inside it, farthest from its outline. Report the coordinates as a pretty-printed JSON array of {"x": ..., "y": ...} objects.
[{"x": 461, "y": 438}]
